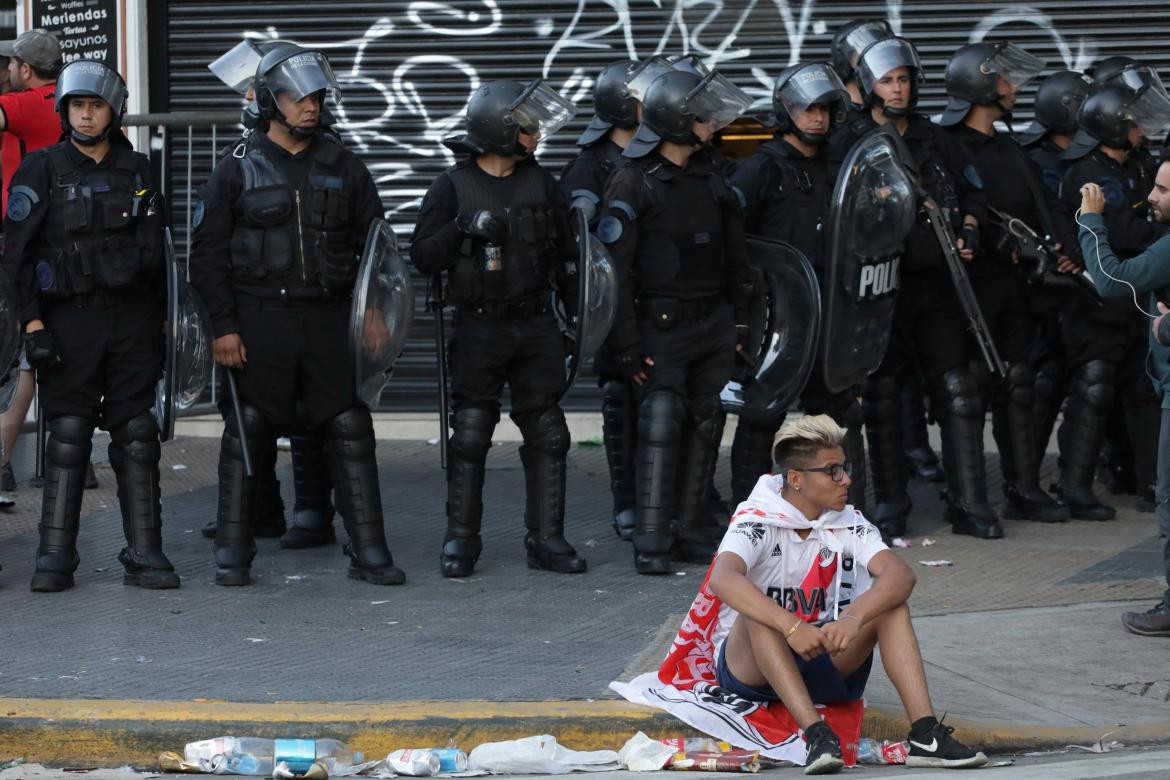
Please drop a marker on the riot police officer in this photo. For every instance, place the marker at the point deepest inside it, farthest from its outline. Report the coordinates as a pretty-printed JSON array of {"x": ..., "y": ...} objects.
[
  {"x": 674, "y": 229},
  {"x": 849, "y": 41},
  {"x": 928, "y": 323},
  {"x": 276, "y": 240},
  {"x": 613, "y": 124},
  {"x": 84, "y": 233},
  {"x": 312, "y": 521},
  {"x": 1102, "y": 342},
  {"x": 497, "y": 224},
  {"x": 785, "y": 188},
  {"x": 982, "y": 81}
]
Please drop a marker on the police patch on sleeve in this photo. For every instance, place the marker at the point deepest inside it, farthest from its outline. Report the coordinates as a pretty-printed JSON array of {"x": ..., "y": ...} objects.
[
  {"x": 45, "y": 275},
  {"x": 21, "y": 200},
  {"x": 1110, "y": 187},
  {"x": 610, "y": 229},
  {"x": 197, "y": 217}
]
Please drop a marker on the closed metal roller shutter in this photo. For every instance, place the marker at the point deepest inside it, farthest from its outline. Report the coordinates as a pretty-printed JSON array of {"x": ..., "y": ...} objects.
[{"x": 407, "y": 69}]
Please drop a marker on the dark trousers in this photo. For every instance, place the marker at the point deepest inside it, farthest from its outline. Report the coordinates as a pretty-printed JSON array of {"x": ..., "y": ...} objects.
[{"x": 1163, "y": 496}]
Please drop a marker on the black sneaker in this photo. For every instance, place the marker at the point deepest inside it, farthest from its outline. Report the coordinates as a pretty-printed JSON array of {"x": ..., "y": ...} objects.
[
  {"x": 938, "y": 749},
  {"x": 824, "y": 750}
]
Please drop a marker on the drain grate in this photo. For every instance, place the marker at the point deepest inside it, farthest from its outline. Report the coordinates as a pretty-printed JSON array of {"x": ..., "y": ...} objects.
[{"x": 1158, "y": 690}]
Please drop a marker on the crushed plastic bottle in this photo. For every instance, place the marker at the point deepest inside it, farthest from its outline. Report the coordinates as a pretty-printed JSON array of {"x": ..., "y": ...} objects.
[
  {"x": 870, "y": 751},
  {"x": 256, "y": 757}
]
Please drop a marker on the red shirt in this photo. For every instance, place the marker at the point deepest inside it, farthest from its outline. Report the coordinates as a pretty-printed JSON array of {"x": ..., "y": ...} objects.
[{"x": 32, "y": 123}]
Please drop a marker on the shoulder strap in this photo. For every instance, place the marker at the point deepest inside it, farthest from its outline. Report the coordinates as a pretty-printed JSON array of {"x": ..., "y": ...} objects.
[
  {"x": 63, "y": 172},
  {"x": 1035, "y": 188}
]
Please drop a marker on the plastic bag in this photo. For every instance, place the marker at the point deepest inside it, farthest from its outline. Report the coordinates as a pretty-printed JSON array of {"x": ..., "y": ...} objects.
[
  {"x": 539, "y": 756},
  {"x": 642, "y": 754}
]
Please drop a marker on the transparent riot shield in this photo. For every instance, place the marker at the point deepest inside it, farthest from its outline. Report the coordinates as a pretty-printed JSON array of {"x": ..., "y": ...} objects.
[
  {"x": 188, "y": 363},
  {"x": 596, "y": 296},
  {"x": 872, "y": 210},
  {"x": 383, "y": 309},
  {"x": 10, "y": 342},
  {"x": 782, "y": 335}
]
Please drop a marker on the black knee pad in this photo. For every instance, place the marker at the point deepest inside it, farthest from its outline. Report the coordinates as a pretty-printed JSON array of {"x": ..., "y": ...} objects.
[
  {"x": 962, "y": 394},
  {"x": 660, "y": 418},
  {"x": 546, "y": 430},
  {"x": 614, "y": 393},
  {"x": 1095, "y": 384},
  {"x": 352, "y": 432},
  {"x": 1021, "y": 380},
  {"x": 881, "y": 398},
  {"x": 472, "y": 435},
  {"x": 255, "y": 427},
  {"x": 137, "y": 439},
  {"x": 69, "y": 441},
  {"x": 707, "y": 421}
]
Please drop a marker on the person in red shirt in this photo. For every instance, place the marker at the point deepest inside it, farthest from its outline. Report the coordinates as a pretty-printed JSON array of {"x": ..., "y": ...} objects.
[{"x": 29, "y": 121}]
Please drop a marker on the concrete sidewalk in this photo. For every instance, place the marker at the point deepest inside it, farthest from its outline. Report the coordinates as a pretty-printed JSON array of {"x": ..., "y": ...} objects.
[{"x": 1022, "y": 636}]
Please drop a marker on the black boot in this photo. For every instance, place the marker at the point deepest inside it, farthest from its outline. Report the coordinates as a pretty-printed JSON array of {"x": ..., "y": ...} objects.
[
  {"x": 471, "y": 438},
  {"x": 66, "y": 456},
  {"x": 546, "y": 445},
  {"x": 1143, "y": 421},
  {"x": 887, "y": 461},
  {"x": 1081, "y": 435},
  {"x": 619, "y": 432},
  {"x": 751, "y": 457},
  {"x": 697, "y": 538},
  {"x": 312, "y": 521},
  {"x": 235, "y": 546},
  {"x": 134, "y": 454},
  {"x": 969, "y": 511},
  {"x": 1050, "y": 388},
  {"x": 661, "y": 417},
  {"x": 356, "y": 477},
  {"x": 920, "y": 458},
  {"x": 1013, "y": 424}
]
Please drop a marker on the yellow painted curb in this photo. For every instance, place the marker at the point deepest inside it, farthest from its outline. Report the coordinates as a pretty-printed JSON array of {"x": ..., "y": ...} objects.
[{"x": 107, "y": 733}]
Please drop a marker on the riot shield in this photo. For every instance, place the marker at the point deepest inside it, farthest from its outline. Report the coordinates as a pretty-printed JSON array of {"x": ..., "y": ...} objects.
[
  {"x": 9, "y": 343},
  {"x": 872, "y": 210},
  {"x": 188, "y": 363},
  {"x": 782, "y": 337},
  {"x": 596, "y": 296},
  {"x": 383, "y": 309}
]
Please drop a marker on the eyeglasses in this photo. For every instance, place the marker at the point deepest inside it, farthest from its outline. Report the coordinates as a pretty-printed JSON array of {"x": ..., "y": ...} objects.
[{"x": 836, "y": 471}]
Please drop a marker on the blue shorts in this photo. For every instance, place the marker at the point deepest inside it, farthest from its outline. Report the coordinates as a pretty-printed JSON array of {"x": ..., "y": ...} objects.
[{"x": 825, "y": 684}]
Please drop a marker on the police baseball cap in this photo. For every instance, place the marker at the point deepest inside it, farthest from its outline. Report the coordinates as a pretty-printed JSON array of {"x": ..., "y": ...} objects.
[{"x": 37, "y": 47}]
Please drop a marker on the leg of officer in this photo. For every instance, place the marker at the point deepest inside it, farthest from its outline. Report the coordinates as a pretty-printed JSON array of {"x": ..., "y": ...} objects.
[
  {"x": 312, "y": 521},
  {"x": 619, "y": 432},
  {"x": 751, "y": 455},
  {"x": 845, "y": 409}
]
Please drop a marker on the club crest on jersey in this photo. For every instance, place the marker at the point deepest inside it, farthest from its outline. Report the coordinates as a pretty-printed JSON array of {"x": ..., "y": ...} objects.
[{"x": 825, "y": 557}]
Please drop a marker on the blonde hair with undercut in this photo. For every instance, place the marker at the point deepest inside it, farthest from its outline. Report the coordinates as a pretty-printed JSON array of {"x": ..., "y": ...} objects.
[{"x": 799, "y": 440}]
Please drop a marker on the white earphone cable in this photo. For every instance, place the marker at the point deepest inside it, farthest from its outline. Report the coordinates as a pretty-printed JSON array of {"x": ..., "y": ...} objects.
[{"x": 1101, "y": 268}]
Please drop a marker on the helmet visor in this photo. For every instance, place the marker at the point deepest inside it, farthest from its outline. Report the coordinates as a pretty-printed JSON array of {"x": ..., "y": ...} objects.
[
  {"x": 541, "y": 110},
  {"x": 237, "y": 66},
  {"x": 690, "y": 64},
  {"x": 1139, "y": 79},
  {"x": 860, "y": 37},
  {"x": 884, "y": 56},
  {"x": 716, "y": 102},
  {"x": 1016, "y": 66},
  {"x": 1150, "y": 109},
  {"x": 86, "y": 77},
  {"x": 810, "y": 86},
  {"x": 303, "y": 74},
  {"x": 644, "y": 76}
]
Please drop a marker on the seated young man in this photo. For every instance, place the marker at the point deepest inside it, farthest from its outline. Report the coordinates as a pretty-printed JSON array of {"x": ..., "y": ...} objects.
[{"x": 807, "y": 590}]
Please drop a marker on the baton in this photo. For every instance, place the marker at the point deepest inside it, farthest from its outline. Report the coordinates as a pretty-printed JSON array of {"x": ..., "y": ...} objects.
[
  {"x": 238, "y": 411},
  {"x": 39, "y": 471}
]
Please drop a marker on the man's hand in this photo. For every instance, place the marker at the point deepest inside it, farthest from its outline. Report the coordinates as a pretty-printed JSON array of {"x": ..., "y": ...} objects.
[
  {"x": 807, "y": 641},
  {"x": 968, "y": 241},
  {"x": 840, "y": 633},
  {"x": 632, "y": 363},
  {"x": 1092, "y": 199},
  {"x": 375, "y": 334},
  {"x": 40, "y": 350},
  {"x": 1156, "y": 325},
  {"x": 491, "y": 226},
  {"x": 229, "y": 351}
]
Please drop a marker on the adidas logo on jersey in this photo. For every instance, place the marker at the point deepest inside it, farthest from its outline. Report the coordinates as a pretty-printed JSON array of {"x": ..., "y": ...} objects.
[{"x": 776, "y": 551}]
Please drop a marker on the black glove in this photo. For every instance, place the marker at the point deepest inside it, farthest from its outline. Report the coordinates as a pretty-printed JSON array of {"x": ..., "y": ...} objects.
[
  {"x": 970, "y": 238},
  {"x": 40, "y": 350},
  {"x": 491, "y": 226},
  {"x": 630, "y": 361}
]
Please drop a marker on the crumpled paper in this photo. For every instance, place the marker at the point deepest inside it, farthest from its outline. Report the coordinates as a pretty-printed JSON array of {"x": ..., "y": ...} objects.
[{"x": 642, "y": 754}]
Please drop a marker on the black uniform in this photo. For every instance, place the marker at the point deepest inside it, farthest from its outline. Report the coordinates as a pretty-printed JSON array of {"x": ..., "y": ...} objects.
[
  {"x": 276, "y": 242},
  {"x": 1011, "y": 183},
  {"x": 1107, "y": 346},
  {"x": 677, "y": 240},
  {"x": 84, "y": 247},
  {"x": 786, "y": 197},
  {"x": 505, "y": 332},
  {"x": 929, "y": 327},
  {"x": 583, "y": 182}
]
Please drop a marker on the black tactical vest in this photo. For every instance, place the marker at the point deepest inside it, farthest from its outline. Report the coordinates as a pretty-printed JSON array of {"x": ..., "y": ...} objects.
[
  {"x": 294, "y": 234},
  {"x": 680, "y": 230},
  {"x": 797, "y": 210},
  {"x": 520, "y": 268},
  {"x": 101, "y": 229}
]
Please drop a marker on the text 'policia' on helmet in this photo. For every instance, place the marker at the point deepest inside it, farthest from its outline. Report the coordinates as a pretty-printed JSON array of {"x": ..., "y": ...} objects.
[
  {"x": 851, "y": 39},
  {"x": 676, "y": 100},
  {"x": 1058, "y": 101},
  {"x": 93, "y": 79},
  {"x": 500, "y": 110},
  {"x": 298, "y": 72},
  {"x": 613, "y": 105},
  {"x": 801, "y": 86},
  {"x": 881, "y": 57},
  {"x": 973, "y": 73}
]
